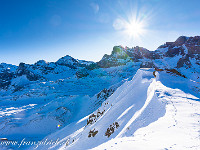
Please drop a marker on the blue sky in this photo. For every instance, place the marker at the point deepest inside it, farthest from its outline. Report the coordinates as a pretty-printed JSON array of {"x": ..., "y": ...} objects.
[{"x": 87, "y": 29}]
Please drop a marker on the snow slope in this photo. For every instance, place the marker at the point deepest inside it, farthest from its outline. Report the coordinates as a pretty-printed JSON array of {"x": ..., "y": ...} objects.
[
  {"x": 33, "y": 109},
  {"x": 46, "y": 99},
  {"x": 143, "y": 113},
  {"x": 177, "y": 129}
]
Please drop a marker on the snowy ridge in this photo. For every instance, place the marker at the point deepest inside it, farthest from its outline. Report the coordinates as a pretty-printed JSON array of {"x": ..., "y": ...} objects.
[
  {"x": 126, "y": 106},
  {"x": 177, "y": 129},
  {"x": 139, "y": 109}
]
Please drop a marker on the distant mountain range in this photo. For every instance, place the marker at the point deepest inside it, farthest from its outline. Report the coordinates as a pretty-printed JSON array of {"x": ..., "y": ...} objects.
[{"x": 184, "y": 52}]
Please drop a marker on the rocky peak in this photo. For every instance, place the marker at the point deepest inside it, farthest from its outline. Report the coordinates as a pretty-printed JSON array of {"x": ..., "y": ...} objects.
[
  {"x": 193, "y": 45},
  {"x": 8, "y": 67},
  {"x": 181, "y": 47},
  {"x": 121, "y": 56},
  {"x": 180, "y": 41},
  {"x": 25, "y": 69},
  {"x": 67, "y": 60},
  {"x": 41, "y": 63},
  {"x": 119, "y": 52}
]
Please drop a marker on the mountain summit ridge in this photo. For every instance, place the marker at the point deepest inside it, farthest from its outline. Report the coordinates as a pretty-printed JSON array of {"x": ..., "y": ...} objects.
[
  {"x": 184, "y": 52},
  {"x": 182, "y": 46}
]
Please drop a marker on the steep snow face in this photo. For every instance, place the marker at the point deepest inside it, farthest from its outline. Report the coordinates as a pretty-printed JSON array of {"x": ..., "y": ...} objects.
[
  {"x": 177, "y": 129},
  {"x": 141, "y": 113}
]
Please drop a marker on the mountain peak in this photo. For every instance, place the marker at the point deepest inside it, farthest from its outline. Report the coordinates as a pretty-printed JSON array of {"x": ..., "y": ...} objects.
[
  {"x": 41, "y": 63},
  {"x": 182, "y": 46},
  {"x": 67, "y": 60}
]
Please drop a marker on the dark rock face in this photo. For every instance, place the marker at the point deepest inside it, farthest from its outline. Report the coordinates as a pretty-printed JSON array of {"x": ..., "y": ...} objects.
[
  {"x": 5, "y": 79},
  {"x": 110, "y": 63},
  {"x": 120, "y": 56},
  {"x": 139, "y": 53},
  {"x": 41, "y": 63},
  {"x": 111, "y": 129},
  {"x": 68, "y": 61},
  {"x": 82, "y": 73},
  {"x": 173, "y": 51},
  {"x": 23, "y": 70},
  {"x": 44, "y": 67},
  {"x": 180, "y": 41},
  {"x": 197, "y": 57},
  {"x": 105, "y": 93},
  {"x": 93, "y": 118},
  {"x": 6, "y": 75},
  {"x": 193, "y": 45},
  {"x": 92, "y": 66},
  {"x": 147, "y": 65},
  {"x": 117, "y": 54},
  {"x": 184, "y": 61}
]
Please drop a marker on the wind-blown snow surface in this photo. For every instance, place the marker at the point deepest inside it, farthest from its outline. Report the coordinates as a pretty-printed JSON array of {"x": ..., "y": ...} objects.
[{"x": 152, "y": 113}]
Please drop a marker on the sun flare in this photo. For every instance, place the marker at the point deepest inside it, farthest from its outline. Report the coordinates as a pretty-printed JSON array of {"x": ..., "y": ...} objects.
[{"x": 134, "y": 29}]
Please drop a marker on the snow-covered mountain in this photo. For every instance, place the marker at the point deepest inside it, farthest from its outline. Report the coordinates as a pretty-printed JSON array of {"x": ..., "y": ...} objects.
[
  {"x": 86, "y": 104},
  {"x": 143, "y": 113}
]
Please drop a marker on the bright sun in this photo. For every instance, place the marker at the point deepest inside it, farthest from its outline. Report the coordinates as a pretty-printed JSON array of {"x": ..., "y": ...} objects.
[{"x": 134, "y": 29}]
